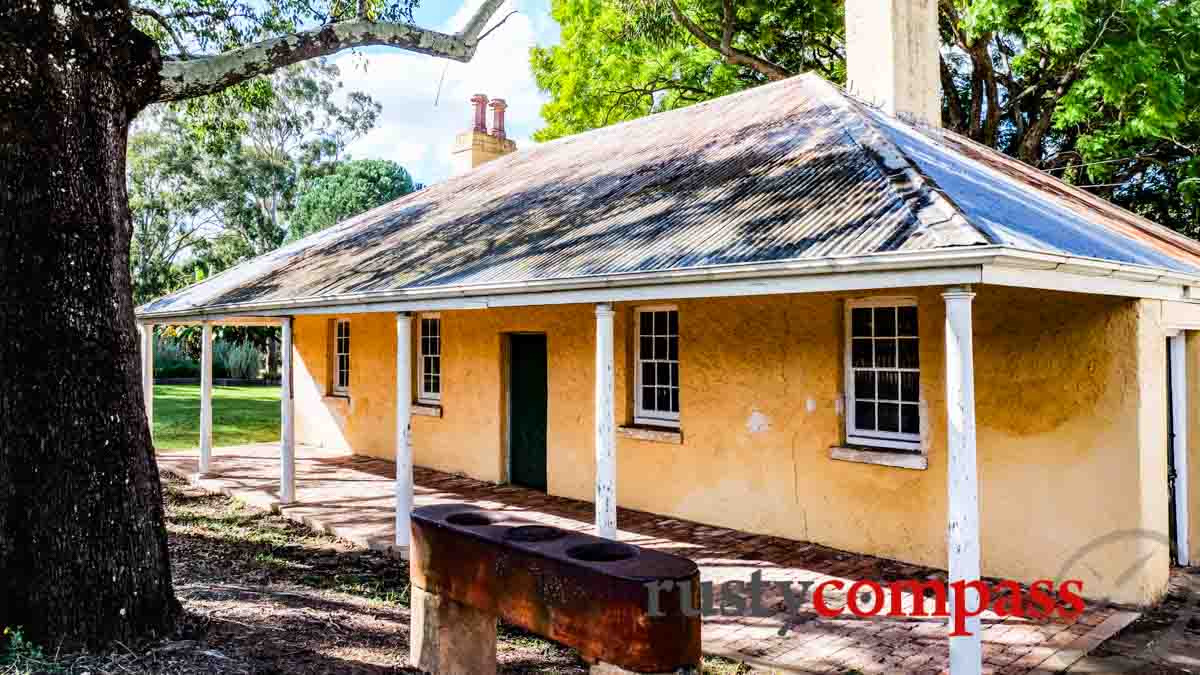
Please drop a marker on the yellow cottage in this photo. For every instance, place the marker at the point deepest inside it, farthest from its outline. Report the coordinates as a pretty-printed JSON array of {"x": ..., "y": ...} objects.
[{"x": 783, "y": 311}]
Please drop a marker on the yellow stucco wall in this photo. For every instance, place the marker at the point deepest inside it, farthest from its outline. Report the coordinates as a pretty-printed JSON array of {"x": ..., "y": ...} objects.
[{"x": 1071, "y": 414}]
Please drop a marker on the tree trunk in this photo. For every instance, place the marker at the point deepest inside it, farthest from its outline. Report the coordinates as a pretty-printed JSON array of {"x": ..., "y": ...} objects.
[{"x": 83, "y": 545}]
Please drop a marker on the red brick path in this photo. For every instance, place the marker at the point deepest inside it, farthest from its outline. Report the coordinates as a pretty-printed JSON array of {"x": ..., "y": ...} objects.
[{"x": 351, "y": 497}]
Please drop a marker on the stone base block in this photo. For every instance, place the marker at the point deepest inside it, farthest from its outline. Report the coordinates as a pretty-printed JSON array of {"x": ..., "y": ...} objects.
[
  {"x": 449, "y": 638},
  {"x": 610, "y": 669}
]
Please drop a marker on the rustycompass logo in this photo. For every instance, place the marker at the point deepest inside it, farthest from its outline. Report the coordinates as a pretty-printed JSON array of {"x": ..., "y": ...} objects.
[{"x": 1043, "y": 599}]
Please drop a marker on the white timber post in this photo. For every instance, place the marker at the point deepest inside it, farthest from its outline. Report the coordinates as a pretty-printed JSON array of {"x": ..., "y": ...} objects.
[
  {"x": 606, "y": 439},
  {"x": 404, "y": 463},
  {"x": 147, "y": 331},
  {"x": 962, "y": 475},
  {"x": 287, "y": 432},
  {"x": 206, "y": 392},
  {"x": 1179, "y": 442}
]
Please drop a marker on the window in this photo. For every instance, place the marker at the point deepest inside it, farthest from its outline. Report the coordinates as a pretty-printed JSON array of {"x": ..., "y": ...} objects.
[
  {"x": 656, "y": 390},
  {"x": 883, "y": 376},
  {"x": 341, "y": 357},
  {"x": 429, "y": 377}
]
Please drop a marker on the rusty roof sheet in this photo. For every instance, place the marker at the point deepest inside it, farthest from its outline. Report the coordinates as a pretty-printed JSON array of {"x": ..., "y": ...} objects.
[{"x": 793, "y": 170}]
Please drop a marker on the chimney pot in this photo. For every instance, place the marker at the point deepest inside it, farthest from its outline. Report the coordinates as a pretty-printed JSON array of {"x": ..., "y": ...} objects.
[
  {"x": 498, "y": 107},
  {"x": 480, "y": 102}
]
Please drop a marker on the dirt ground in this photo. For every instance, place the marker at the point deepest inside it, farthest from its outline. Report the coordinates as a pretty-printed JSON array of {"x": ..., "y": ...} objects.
[{"x": 262, "y": 594}]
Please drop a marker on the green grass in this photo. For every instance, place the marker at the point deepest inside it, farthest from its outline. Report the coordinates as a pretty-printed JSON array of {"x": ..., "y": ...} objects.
[{"x": 240, "y": 415}]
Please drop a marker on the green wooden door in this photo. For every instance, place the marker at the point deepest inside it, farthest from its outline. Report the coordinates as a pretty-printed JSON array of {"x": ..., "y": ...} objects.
[{"x": 527, "y": 413}]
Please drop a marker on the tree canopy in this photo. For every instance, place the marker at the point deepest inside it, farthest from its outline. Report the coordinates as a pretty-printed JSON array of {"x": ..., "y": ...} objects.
[
  {"x": 352, "y": 187},
  {"x": 1103, "y": 93}
]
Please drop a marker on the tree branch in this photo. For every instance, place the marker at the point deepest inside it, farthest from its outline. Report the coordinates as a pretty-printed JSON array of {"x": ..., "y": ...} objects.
[
  {"x": 162, "y": 21},
  {"x": 731, "y": 54},
  {"x": 181, "y": 80}
]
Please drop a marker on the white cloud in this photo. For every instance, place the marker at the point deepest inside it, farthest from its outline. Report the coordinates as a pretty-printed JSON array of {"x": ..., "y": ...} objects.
[{"x": 418, "y": 123}]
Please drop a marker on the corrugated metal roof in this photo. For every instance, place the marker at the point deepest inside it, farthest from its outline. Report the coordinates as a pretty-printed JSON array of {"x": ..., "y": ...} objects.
[{"x": 793, "y": 170}]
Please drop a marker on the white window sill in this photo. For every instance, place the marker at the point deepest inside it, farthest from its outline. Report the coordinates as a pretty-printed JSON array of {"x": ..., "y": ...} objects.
[
  {"x": 343, "y": 399},
  {"x": 653, "y": 435},
  {"x": 881, "y": 457},
  {"x": 427, "y": 409}
]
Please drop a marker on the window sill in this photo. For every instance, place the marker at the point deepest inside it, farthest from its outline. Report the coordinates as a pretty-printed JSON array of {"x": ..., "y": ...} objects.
[
  {"x": 880, "y": 457},
  {"x": 651, "y": 434},
  {"x": 336, "y": 398},
  {"x": 427, "y": 409}
]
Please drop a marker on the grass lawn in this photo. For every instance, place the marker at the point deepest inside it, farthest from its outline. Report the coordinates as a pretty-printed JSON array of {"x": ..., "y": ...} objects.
[{"x": 240, "y": 415}]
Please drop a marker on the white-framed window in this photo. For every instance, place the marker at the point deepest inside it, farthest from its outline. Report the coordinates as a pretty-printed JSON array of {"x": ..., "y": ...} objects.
[
  {"x": 429, "y": 366},
  {"x": 883, "y": 373},
  {"x": 656, "y": 366},
  {"x": 341, "y": 356}
]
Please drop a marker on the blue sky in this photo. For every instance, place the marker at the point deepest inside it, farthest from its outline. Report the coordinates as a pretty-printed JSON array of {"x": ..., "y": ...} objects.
[{"x": 417, "y": 126}]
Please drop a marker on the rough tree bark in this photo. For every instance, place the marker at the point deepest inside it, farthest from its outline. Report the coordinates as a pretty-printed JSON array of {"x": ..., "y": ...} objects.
[
  {"x": 82, "y": 540},
  {"x": 83, "y": 547}
]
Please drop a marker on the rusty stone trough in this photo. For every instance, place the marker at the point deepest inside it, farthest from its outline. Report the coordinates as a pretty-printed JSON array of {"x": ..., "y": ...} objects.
[{"x": 469, "y": 567}]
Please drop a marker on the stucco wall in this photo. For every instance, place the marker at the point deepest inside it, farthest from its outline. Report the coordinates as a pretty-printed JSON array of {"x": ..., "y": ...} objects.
[{"x": 1071, "y": 424}]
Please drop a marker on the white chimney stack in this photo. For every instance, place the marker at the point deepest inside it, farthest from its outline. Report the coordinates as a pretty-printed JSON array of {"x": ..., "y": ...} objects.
[{"x": 892, "y": 49}]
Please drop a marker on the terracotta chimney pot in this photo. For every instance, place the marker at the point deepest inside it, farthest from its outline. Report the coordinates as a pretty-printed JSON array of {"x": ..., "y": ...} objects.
[
  {"x": 498, "y": 106},
  {"x": 480, "y": 102}
]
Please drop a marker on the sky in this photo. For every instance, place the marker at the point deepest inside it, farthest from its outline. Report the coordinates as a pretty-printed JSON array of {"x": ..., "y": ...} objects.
[{"x": 417, "y": 126}]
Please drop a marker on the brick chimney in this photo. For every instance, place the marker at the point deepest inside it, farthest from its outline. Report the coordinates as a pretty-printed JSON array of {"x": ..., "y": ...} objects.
[
  {"x": 892, "y": 49},
  {"x": 478, "y": 145}
]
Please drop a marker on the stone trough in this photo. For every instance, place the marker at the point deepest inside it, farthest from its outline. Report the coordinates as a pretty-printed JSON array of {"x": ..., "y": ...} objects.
[{"x": 470, "y": 567}]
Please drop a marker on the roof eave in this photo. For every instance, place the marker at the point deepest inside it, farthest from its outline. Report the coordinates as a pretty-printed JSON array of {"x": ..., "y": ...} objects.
[{"x": 977, "y": 264}]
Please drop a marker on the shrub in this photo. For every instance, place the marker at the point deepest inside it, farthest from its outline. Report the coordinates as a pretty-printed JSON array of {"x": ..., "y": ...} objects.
[
  {"x": 170, "y": 360},
  {"x": 240, "y": 361}
]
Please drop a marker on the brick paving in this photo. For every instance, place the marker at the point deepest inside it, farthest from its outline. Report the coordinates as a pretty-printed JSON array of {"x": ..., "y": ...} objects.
[{"x": 351, "y": 496}]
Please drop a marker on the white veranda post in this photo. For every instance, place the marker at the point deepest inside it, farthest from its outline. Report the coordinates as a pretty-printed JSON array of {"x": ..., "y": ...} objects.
[
  {"x": 147, "y": 330},
  {"x": 606, "y": 440},
  {"x": 1179, "y": 443},
  {"x": 966, "y": 652},
  {"x": 404, "y": 479},
  {"x": 287, "y": 432},
  {"x": 206, "y": 393}
]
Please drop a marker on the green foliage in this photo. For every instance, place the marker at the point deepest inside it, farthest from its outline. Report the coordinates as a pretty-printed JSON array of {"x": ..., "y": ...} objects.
[
  {"x": 352, "y": 187},
  {"x": 19, "y": 656},
  {"x": 172, "y": 360},
  {"x": 236, "y": 360}
]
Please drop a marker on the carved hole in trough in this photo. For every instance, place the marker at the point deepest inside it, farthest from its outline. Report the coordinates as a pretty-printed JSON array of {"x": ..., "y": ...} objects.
[
  {"x": 532, "y": 533},
  {"x": 602, "y": 552},
  {"x": 471, "y": 518}
]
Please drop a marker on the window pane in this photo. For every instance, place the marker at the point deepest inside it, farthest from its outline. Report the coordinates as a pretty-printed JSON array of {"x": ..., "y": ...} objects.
[
  {"x": 647, "y": 323},
  {"x": 889, "y": 385},
  {"x": 435, "y": 327},
  {"x": 647, "y": 348},
  {"x": 660, "y": 323},
  {"x": 910, "y": 419},
  {"x": 860, "y": 322},
  {"x": 864, "y": 384},
  {"x": 436, "y": 384},
  {"x": 889, "y": 417},
  {"x": 664, "y": 399},
  {"x": 674, "y": 399},
  {"x": 861, "y": 354},
  {"x": 885, "y": 353},
  {"x": 910, "y": 387},
  {"x": 648, "y": 374},
  {"x": 675, "y": 374},
  {"x": 908, "y": 320},
  {"x": 673, "y": 322},
  {"x": 648, "y": 398},
  {"x": 435, "y": 366},
  {"x": 885, "y": 321},
  {"x": 864, "y": 415},
  {"x": 673, "y": 353},
  {"x": 664, "y": 374},
  {"x": 660, "y": 348},
  {"x": 909, "y": 355}
]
